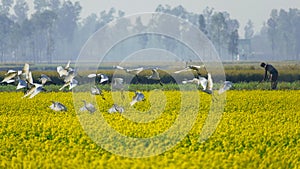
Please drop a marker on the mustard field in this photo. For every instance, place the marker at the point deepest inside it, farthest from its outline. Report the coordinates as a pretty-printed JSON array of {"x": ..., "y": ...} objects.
[{"x": 257, "y": 129}]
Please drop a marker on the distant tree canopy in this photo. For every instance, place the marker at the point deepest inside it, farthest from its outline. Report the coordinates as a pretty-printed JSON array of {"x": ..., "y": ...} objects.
[{"x": 56, "y": 32}]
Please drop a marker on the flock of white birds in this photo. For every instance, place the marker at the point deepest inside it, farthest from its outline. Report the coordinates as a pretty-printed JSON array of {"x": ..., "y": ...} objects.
[{"x": 24, "y": 80}]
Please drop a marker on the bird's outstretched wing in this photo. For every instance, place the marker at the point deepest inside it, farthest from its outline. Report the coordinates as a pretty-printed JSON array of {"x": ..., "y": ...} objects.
[
  {"x": 120, "y": 67},
  {"x": 183, "y": 70},
  {"x": 21, "y": 84},
  {"x": 103, "y": 78},
  {"x": 92, "y": 75}
]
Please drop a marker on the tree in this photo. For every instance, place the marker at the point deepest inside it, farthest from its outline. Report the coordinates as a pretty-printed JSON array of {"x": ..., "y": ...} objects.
[
  {"x": 65, "y": 27},
  {"x": 40, "y": 5},
  {"x": 202, "y": 24},
  {"x": 233, "y": 43},
  {"x": 296, "y": 33},
  {"x": 249, "y": 30},
  {"x": 207, "y": 14},
  {"x": 67, "y": 21},
  {"x": 27, "y": 30},
  {"x": 44, "y": 34},
  {"x": 143, "y": 39},
  {"x": 218, "y": 31},
  {"x": 54, "y": 5},
  {"x": 107, "y": 17},
  {"x": 6, "y": 27},
  {"x": 5, "y": 7},
  {"x": 272, "y": 30},
  {"x": 21, "y": 9}
]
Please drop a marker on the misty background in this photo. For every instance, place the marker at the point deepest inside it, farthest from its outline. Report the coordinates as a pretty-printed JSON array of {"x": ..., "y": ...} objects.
[{"x": 55, "y": 32}]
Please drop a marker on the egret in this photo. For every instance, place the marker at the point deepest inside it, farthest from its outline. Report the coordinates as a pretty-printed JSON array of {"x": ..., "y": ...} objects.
[
  {"x": 64, "y": 71},
  {"x": 34, "y": 90},
  {"x": 226, "y": 86},
  {"x": 10, "y": 76},
  {"x": 192, "y": 67},
  {"x": 96, "y": 91},
  {"x": 71, "y": 75},
  {"x": 57, "y": 106},
  {"x": 73, "y": 83},
  {"x": 118, "y": 83},
  {"x": 102, "y": 77},
  {"x": 115, "y": 108},
  {"x": 25, "y": 72},
  {"x": 44, "y": 79},
  {"x": 194, "y": 80},
  {"x": 22, "y": 84},
  {"x": 139, "y": 96},
  {"x": 134, "y": 72},
  {"x": 207, "y": 84},
  {"x": 88, "y": 107},
  {"x": 70, "y": 81},
  {"x": 155, "y": 76},
  {"x": 25, "y": 83},
  {"x": 131, "y": 71}
]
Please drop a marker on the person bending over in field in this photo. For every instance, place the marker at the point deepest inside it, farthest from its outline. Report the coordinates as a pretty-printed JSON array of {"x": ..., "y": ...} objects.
[{"x": 273, "y": 74}]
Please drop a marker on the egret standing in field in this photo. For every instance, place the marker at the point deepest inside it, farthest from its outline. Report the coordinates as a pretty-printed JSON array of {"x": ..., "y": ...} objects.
[
  {"x": 88, "y": 107},
  {"x": 57, "y": 106},
  {"x": 115, "y": 108}
]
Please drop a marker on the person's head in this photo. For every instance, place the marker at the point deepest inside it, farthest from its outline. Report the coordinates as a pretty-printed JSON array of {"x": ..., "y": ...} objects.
[{"x": 263, "y": 64}]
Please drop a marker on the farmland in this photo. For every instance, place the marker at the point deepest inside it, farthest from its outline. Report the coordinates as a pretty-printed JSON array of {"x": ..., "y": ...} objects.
[{"x": 258, "y": 129}]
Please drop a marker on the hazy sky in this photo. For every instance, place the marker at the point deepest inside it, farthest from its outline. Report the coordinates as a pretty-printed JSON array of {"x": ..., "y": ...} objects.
[{"x": 242, "y": 10}]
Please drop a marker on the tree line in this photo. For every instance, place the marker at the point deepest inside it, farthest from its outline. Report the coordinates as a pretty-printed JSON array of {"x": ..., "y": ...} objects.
[{"x": 55, "y": 31}]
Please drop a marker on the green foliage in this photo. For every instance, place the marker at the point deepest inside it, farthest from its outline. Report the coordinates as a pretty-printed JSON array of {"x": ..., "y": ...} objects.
[{"x": 243, "y": 75}]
